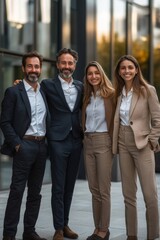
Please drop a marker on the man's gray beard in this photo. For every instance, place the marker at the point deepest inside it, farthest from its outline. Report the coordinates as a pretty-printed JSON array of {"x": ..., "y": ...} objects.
[
  {"x": 63, "y": 75},
  {"x": 32, "y": 78}
]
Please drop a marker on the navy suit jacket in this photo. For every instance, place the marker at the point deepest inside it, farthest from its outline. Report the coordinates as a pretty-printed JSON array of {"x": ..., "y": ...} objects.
[
  {"x": 15, "y": 117},
  {"x": 62, "y": 118}
]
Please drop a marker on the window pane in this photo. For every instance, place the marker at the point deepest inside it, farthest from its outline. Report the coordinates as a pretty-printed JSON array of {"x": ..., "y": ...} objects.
[
  {"x": 47, "y": 35},
  {"x": 66, "y": 19},
  {"x": 103, "y": 34},
  {"x": 44, "y": 29},
  {"x": 141, "y": 2},
  {"x": 18, "y": 25},
  {"x": 119, "y": 29},
  {"x": 156, "y": 45},
  {"x": 140, "y": 37},
  {"x": 73, "y": 23}
]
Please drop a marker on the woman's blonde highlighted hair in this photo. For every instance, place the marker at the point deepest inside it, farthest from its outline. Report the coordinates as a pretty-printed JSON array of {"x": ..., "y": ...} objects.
[{"x": 105, "y": 87}]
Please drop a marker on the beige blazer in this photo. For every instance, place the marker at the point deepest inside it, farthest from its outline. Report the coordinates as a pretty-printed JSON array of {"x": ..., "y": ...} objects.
[{"x": 144, "y": 120}]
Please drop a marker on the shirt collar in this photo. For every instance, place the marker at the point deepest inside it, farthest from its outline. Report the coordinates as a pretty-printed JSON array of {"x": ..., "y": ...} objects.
[
  {"x": 29, "y": 87},
  {"x": 65, "y": 82},
  {"x": 124, "y": 91}
]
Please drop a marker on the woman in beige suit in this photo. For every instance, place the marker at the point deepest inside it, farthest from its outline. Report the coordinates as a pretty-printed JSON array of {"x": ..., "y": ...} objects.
[
  {"x": 135, "y": 138},
  {"x": 97, "y": 120}
]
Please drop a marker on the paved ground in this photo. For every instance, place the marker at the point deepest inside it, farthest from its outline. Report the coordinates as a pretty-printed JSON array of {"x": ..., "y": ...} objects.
[{"x": 81, "y": 212}]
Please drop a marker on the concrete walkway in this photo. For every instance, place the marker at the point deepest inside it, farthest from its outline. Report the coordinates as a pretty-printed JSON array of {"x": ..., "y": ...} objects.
[{"x": 81, "y": 219}]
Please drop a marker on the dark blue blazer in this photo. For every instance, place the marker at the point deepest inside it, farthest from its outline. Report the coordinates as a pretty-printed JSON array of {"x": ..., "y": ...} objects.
[
  {"x": 62, "y": 118},
  {"x": 15, "y": 117}
]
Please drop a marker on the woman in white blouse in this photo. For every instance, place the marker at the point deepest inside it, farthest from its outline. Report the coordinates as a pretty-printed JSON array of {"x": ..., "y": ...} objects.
[
  {"x": 97, "y": 121},
  {"x": 135, "y": 138}
]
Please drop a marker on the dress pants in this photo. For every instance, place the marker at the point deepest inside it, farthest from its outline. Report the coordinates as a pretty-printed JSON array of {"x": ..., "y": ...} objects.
[
  {"x": 98, "y": 165},
  {"x": 65, "y": 158},
  {"x": 135, "y": 161},
  {"x": 28, "y": 167}
]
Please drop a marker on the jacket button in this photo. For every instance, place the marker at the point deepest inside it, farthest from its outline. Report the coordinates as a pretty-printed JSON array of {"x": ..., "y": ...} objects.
[{"x": 131, "y": 123}]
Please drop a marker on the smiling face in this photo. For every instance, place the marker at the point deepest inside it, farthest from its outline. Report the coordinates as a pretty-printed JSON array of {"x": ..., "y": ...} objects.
[
  {"x": 93, "y": 76},
  {"x": 66, "y": 65},
  {"x": 127, "y": 71},
  {"x": 32, "y": 69}
]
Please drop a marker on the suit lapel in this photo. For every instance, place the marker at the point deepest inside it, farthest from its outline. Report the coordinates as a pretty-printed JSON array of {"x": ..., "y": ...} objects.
[
  {"x": 25, "y": 98},
  {"x": 45, "y": 101},
  {"x": 59, "y": 89},
  {"x": 44, "y": 98},
  {"x": 118, "y": 108},
  {"x": 61, "y": 93},
  {"x": 78, "y": 93},
  {"x": 133, "y": 104},
  {"x": 107, "y": 112}
]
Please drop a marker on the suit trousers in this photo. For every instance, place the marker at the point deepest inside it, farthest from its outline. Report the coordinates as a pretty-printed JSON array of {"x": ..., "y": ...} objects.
[
  {"x": 135, "y": 161},
  {"x": 98, "y": 166},
  {"x": 28, "y": 167},
  {"x": 65, "y": 158}
]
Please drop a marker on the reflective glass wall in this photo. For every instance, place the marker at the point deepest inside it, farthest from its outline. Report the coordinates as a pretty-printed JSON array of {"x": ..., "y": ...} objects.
[
  {"x": 140, "y": 37},
  {"x": 156, "y": 44},
  {"x": 26, "y": 24},
  {"x": 119, "y": 30},
  {"x": 129, "y": 27},
  {"x": 101, "y": 30},
  {"x": 103, "y": 36},
  {"x": 42, "y": 25}
]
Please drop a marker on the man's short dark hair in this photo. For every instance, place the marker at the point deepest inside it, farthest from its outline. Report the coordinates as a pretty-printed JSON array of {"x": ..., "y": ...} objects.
[
  {"x": 31, "y": 55},
  {"x": 69, "y": 51}
]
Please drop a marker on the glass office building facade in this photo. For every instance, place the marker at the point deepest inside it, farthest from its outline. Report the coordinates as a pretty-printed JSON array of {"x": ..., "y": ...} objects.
[{"x": 101, "y": 30}]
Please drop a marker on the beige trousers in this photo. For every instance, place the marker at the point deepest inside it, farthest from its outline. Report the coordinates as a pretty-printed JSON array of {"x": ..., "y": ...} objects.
[
  {"x": 98, "y": 165},
  {"x": 132, "y": 162}
]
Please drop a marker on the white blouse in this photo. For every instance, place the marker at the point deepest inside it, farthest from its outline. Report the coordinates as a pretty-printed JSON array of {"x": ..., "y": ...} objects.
[
  {"x": 125, "y": 107},
  {"x": 95, "y": 115}
]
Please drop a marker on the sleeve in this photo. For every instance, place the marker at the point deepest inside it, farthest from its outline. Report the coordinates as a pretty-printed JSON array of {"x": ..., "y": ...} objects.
[
  {"x": 154, "y": 108},
  {"x": 6, "y": 119}
]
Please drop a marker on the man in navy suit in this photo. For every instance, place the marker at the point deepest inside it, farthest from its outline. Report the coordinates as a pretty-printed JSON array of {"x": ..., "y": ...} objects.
[
  {"x": 24, "y": 121},
  {"x": 64, "y": 97}
]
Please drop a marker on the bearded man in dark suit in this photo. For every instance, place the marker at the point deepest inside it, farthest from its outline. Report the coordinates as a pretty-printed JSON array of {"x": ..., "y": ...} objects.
[
  {"x": 64, "y": 97},
  {"x": 24, "y": 122}
]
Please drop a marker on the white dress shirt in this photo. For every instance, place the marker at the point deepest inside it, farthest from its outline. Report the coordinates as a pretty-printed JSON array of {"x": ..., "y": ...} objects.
[
  {"x": 125, "y": 107},
  {"x": 70, "y": 92},
  {"x": 95, "y": 115},
  {"x": 38, "y": 111}
]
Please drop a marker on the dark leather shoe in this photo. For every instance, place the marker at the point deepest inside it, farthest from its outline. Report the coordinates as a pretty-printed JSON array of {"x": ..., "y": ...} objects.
[
  {"x": 106, "y": 237},
  {"x": 32, "y": 236},
  {"x": 91, "y": 237},
  {"x": 58, "y": 235},
  {"x": 68, "y": 233},
  {"x": 8, "y": 238}
]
